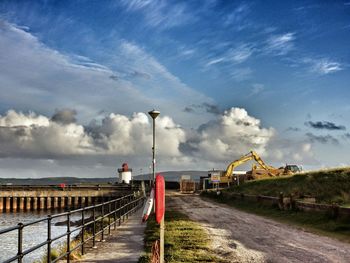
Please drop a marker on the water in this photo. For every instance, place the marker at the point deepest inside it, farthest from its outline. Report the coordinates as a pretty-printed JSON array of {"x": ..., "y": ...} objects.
[{"x": 32, "y": 235}]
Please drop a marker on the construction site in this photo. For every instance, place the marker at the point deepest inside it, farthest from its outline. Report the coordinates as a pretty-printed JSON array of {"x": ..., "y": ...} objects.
[
  {"x": 269, "y": 214},
  {"x": 220, "y": 179}
]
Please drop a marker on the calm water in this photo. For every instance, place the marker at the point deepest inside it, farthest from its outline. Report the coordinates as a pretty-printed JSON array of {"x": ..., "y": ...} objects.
[{"x": 32, "y": 235}]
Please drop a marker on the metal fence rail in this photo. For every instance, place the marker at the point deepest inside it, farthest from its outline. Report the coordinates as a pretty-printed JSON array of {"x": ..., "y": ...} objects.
[{"x": 102, "y": 218}]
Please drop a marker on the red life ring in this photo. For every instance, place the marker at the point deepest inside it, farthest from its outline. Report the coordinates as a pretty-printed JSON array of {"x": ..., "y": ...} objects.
[{"x": 160, "y": 198}]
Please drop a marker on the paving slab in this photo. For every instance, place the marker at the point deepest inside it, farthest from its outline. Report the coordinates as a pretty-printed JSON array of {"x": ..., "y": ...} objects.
[{"x": 125, "y": 245}]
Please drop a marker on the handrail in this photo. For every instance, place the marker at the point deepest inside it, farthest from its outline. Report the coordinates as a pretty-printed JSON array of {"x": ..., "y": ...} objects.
[
  {"x": 68, "y": 187},
  {"x": 122, "y": 208}
]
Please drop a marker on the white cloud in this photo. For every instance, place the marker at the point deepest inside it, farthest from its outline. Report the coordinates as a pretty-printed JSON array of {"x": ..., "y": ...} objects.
[
  {"x": 185, "y": 53},
  {"x": 241, "y": 74},
  {"x": 233, "y": 56},
  {"x": 36, "y": 136},
  {"x": 215, "y": 61},
  {"x": 13, "y": 119},
  {"x": 325, "y": 66},
  {"x": 280, "y": 44},
  {"x": 237, "y": 18},
  {"x": 240, "y": 54},
  {"x": 160, "y": 14},
  {"x": 281, "y": 151},
  {"x": 231, "y": 135},
  {"x": 122, "y": 138}
]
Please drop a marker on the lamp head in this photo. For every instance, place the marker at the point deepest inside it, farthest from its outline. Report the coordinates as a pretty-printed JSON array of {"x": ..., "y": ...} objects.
[{"x": 154, "y": 113}]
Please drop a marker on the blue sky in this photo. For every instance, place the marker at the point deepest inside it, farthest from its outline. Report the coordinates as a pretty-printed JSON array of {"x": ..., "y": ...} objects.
[{"x": 285, "y": 63}]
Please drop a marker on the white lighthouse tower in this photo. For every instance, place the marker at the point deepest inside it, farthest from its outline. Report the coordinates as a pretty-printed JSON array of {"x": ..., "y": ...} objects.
[{"x": 125, "y": 174}]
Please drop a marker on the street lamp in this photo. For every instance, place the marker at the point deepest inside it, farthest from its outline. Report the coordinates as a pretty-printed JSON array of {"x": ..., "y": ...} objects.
[{"x": 154, "y": 114}]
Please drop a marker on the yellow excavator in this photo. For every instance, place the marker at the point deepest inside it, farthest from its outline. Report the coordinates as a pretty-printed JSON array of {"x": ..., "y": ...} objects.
[{"x": 257, "y": 172}]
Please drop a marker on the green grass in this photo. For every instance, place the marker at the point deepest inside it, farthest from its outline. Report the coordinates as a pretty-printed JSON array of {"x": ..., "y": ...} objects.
[
  {"x": 327, "y": 186},
  {"x": 185, "y": 241},
  {"x": 319, "y": 223}
]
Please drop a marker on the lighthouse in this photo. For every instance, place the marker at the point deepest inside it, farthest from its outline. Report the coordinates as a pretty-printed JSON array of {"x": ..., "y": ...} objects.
[{"x": 124, "y": 174}]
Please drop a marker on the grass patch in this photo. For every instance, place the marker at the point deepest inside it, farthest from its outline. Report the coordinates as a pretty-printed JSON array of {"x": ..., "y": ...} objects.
[
  {"x": 319, "y": 223},
  {"x": 185, "y": 241},
  {"x": 327, "y": 186},
  {"x": 56, "y": 252}
]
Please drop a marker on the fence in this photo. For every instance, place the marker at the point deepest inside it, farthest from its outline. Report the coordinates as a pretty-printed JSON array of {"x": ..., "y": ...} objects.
[
  {"x": 114, "y": 211},
  {"x": 290, "y": 203}
]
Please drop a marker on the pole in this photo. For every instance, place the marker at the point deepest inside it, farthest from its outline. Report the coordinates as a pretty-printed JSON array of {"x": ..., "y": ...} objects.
[
  {"x": 161, "y": 243},
  {"x": 154, "y": 115},
  {"x": 150, "y": 175},
  {"x": 153, "y": 150}
]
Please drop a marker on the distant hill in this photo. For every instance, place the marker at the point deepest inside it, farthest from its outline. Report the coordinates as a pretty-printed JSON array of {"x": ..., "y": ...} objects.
[
  {"x": 170, "y": 176},
  {"x": 56, "y": 180}
]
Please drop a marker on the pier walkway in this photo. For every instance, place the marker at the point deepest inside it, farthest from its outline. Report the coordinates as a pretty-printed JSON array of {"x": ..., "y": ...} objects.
[{"x": 124, "y": 245}]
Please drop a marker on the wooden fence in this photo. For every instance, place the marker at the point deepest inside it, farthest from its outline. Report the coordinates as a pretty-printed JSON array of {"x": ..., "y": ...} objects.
[{"x": 290, "y": 203}]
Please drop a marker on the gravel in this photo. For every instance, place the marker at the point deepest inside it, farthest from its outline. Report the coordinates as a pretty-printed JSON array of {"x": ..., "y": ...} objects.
[{"x": 242, "y": 237}]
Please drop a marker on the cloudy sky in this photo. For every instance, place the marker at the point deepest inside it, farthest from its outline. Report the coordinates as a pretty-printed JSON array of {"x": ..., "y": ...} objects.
[{"x": 77, "y": 79}]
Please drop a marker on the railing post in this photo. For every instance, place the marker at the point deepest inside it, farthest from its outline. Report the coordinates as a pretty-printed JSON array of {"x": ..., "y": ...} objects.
[
  {"x": 120, "y": 210},
  {"x": 20, "y": 242},
  {"x": 124, "y": 208},
  {"x": 115, "y": 214},
  {"x": 127, "y": 206},
  {"x": 68, "y": 237},
  {"x": 134, "y": 203},
  {"x": 49, "y": 238},
  {"x": 102, "y": 227},
  {"x": 82, "y": 231},
  {"x": 109, "y": 218},
  {"x": 130, "y": 204},
  {"x": 94, "y": 227}
]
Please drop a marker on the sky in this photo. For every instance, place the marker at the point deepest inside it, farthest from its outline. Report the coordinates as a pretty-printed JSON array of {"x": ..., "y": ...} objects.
[{"x": 77, "y": 79}]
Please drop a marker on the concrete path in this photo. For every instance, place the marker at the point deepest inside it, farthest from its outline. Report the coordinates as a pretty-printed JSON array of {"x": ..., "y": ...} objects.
[{"x": 125, "y": 245}]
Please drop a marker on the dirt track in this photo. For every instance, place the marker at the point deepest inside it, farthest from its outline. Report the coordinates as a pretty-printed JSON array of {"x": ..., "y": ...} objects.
[{"x": 241, "y": 237}]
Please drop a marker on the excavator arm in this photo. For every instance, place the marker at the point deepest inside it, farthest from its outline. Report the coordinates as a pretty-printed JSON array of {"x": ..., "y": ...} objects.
[
  {"x": 261, "y": 162},
  {"x": 234, "y": 164},
  {"x": 250, "y": 156}
]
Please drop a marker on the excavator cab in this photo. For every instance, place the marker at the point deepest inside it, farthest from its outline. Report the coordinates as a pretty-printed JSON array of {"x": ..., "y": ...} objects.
[{"x": 292, "y": 168}]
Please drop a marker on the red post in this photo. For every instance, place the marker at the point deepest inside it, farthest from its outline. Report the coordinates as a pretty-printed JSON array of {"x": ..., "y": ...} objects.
[
  {"x": 160, "y": 211},
  {"x": 160, "y": 198}
]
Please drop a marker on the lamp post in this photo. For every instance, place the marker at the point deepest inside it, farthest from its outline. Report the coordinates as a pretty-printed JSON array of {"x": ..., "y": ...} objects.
[{"x": 154, "y": 114}]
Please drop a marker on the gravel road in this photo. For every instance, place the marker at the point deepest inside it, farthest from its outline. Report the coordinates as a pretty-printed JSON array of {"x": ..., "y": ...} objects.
[{"x": 242, "y": 237}]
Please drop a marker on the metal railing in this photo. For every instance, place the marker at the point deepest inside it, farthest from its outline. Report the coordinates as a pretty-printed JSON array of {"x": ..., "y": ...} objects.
[
  {"x": 69, "y": 187},
  {"x": 102, "y": 218}
]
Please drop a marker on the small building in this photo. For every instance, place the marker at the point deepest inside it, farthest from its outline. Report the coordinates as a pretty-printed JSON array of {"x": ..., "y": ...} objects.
[
  {"x": 187, "y": 186},
  {"x": 125, "y": 175}
]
